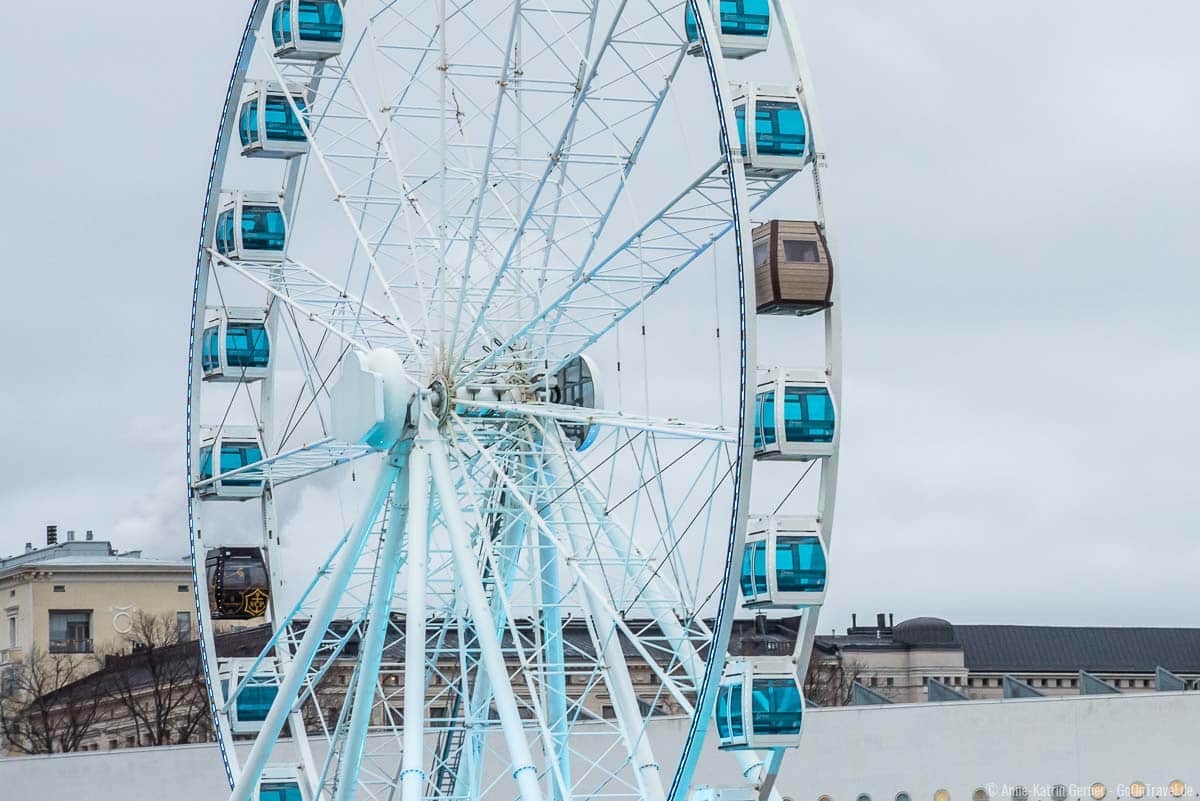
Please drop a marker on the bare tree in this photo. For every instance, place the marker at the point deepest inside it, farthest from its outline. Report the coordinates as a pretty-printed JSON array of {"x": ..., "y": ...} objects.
[
  {"x": 48, "y": 707},
  {"x": 157, "y": 683},
  {"x": 829, "y": 681}
]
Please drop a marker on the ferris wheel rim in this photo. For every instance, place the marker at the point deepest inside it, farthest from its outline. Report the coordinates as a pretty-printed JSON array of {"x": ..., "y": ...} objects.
[{"x": 739, "y": 201}]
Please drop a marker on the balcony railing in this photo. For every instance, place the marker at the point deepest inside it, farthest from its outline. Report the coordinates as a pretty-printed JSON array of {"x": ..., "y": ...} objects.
[{"x": 70, "y": 646}]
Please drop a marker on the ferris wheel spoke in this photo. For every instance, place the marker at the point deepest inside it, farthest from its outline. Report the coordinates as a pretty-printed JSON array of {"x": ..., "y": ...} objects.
[
  {"x": 615, "y": 672},
  {"x": 617, "y": 284},
  {"x": 315, "y": 298},
  {"x": 617, "y": 678},
  {"x": 572, "y": 558},
  {"x": 316, "y": 151},
  {"x": 659, "y": 595},
  {"x": 626, "y": 104},
  {"x": 668, "y": 427}
]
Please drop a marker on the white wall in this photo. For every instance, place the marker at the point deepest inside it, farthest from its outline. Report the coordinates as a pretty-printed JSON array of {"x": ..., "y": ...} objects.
[{"x": 916, "y": 748}]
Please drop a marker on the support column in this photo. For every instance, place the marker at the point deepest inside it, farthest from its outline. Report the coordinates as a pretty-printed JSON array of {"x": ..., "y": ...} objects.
[
  {"x": 247, "y": 783},
  {"x": 524, "y": 771},
  {"x": 412, "y": 774},
  {"x": 378, "y": 622}
]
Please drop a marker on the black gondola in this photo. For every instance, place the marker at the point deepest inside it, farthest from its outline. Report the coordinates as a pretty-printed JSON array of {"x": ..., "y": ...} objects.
[{"x": 238, "y": 588}]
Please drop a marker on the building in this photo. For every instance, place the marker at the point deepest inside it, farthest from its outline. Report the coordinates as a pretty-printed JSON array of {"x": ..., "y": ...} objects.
[
  {"x": 80, "y": 596},
  {"x": 899, "y": 660}
]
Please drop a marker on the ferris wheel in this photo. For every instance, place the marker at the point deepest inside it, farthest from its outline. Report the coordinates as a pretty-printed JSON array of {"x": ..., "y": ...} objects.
[{"x": 512, "y": 382}]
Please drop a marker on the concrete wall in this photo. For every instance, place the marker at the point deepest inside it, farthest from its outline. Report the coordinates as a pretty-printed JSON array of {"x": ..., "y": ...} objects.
[{"x": 848, "y": 751}]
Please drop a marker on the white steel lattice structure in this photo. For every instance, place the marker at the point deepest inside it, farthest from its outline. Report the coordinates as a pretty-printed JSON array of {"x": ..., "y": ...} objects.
[{"x": 462, "y": 425}]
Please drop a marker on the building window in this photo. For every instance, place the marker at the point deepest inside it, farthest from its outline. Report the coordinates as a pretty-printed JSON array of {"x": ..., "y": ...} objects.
[
  {"x": 10, "y": 680},
  {"x": 60, "y": 587},
  {"x": 801, "y": 250},
  {"x": 181, "y": 588},
  {"x": 70, "y": 631},
  {"x": 891, "y": 681},
  {"x": 874, "y": 681},
  {"x": 112, "y": 745},
  {"x": 183, "y": 626},
  {"x": 12, "y": 628},
  {"x": 608, "y": 712}
]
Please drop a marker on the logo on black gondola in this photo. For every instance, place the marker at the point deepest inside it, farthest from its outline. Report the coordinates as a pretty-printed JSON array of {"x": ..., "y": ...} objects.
[{"x": 254, "y": 602}]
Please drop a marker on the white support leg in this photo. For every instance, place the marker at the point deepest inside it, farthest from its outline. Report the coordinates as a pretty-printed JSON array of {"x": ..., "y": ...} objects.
[
  {"x": 371, "y": 653},
  {"x": 481, "y": 695},
  {"x": 524, "y": 771},
  {"x": 555, "y": 662},
  {"x": 247, "y": 783},
  {"x": 412, "y": 774},
  {"x": 616, "y": 674}
]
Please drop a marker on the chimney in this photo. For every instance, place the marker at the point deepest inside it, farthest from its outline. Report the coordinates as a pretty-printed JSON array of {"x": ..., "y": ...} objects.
[
  {"x": 89, "y": 536},
  {"x": 29, "y": 547},
  {"x": 853, "y": 620},
  {"x": 891, "y": 616},
  {"x": 881, "y": 621},
  {"x": 70, "y": 535},
  {"x": 52, "y": 535}
]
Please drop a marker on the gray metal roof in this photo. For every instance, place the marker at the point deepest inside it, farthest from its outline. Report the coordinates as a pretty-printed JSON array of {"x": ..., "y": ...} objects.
[
  {"x": 85, "y": 554},
  {"x": 1066, "y": 649}
]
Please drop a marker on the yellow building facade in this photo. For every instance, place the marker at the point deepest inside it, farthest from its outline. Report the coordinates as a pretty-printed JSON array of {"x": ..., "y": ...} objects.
[{"x": 81, "y": 596}]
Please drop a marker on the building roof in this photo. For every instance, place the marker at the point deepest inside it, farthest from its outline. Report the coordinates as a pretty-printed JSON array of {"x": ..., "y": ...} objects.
[
  {"x": 1055, "y": 649},
  {"x": 1034, "y": 649},
  {"x": 85, "y": 554}
]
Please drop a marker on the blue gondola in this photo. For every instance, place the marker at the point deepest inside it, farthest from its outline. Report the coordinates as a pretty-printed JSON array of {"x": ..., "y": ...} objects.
[
  {"x": 250, "y": 708},
  {"x": 785, "y": 562},
  {"x": 223, "y": 451},
  {"x": 309, "y": 30},
  {"x": 280, "y": 783},
  {"x": 759, "y": 704},
  {"x": 803, "y": 426},
  {"x": 745, "y": 27},
  {"x": 576, "y": 385},
  {"x": 236, "y": 346},
  {"x": 251, "y": 227},
  {"x": 772, "y": 129},
  {"x": 268, "y": 123}
]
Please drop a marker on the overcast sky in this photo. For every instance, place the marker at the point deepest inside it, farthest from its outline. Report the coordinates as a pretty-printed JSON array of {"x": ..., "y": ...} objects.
[{"x": 1014, "y": 192}]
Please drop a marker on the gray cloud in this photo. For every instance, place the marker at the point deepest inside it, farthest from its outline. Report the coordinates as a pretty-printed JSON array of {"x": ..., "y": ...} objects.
[{"x": 1013, "y": 191}]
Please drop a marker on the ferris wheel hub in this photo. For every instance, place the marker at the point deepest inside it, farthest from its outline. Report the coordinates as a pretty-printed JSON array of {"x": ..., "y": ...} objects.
[{"x": 440, "y": 392}]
